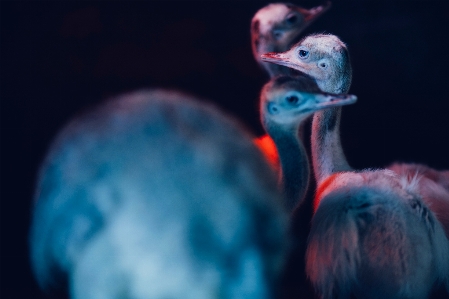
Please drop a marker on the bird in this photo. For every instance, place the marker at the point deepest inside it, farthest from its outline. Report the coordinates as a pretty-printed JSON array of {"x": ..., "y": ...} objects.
[
  {"x": 286, "y": 102},
  {"x": 275, "y": 28},
  {"x": 279, "y": 97},
  {"x": 433, "y": 185},
  {"x": 372, "y": 235},
  {"x": 278, "y": 26},
  {"x": 157, "y": 194}
]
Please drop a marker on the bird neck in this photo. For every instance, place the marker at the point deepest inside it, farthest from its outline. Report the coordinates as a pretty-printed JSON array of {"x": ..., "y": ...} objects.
[
  {"x": 327, "y": 152},
  {"x": 294, "y": 164},
  {"x": 337, "y": 86}
]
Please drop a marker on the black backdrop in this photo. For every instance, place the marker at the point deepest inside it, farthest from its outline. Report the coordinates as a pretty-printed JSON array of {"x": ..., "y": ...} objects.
[{"x": 59, "y": 58}]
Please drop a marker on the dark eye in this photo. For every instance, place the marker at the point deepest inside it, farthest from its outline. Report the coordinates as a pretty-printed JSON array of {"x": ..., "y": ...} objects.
[
  {"x": 292, "y": 19},
  {"x": 277, "y": 34},
  {"x": 303, "y": 53},
  {"x": 293, "y": 100},
  {"x": 272, "y": 108}
]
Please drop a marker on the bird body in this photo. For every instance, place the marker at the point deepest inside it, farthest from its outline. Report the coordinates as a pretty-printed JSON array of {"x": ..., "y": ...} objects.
[
  {"x": 372, "y": 235},
  {"x": 154, "y": 195}
]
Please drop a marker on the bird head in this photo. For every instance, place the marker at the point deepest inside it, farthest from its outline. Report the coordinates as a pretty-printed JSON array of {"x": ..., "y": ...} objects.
[
  {"x": 323, "y": 57},
  {"x": 289, "y": 101},
  {"x": 277, "y": 26}
]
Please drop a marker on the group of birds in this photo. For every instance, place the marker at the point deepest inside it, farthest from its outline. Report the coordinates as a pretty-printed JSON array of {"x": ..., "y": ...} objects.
[{"x": 156, "y": 195}]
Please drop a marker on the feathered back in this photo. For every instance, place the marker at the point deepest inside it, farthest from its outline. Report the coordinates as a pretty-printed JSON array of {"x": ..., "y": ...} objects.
[{"x": 373, "y": 231}]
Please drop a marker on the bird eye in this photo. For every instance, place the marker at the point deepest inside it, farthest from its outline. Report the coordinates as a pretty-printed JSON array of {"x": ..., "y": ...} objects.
[
  {"x": 303, "y": 54},
  {"x": 293, "y": 100},
  {"x": 272, "y": 108},
  {"x": 292, "y": 19},
  {"x": 277, "y": 34}
]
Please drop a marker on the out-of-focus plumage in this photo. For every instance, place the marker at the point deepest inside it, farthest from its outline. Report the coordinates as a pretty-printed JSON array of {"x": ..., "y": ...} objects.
[{"x": 154, "y": 195}]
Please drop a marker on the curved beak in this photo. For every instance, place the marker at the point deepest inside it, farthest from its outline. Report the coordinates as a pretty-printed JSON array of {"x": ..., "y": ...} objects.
[{"x": 327, "y": 100}]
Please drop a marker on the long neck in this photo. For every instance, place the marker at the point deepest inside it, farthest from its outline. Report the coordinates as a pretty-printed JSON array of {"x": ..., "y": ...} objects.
[
  {"x": 294, "y": 164},
  {"x": 327, "y": 152}
]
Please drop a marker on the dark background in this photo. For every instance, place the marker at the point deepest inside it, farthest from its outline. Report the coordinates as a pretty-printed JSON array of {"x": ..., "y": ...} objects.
[{"x": 59, "y": 58}]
